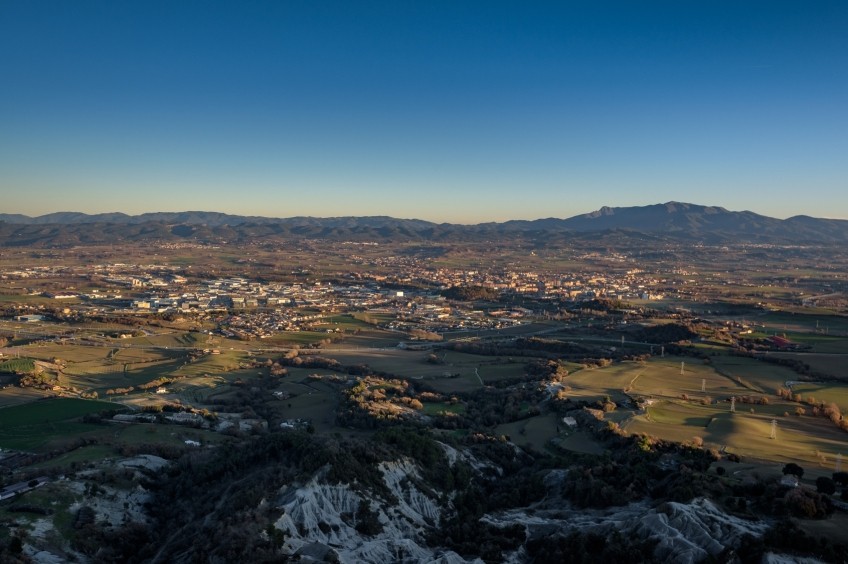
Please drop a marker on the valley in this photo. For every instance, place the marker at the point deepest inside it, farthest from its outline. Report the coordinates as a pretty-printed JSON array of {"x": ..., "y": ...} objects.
[{"x": 440, "y": 401}]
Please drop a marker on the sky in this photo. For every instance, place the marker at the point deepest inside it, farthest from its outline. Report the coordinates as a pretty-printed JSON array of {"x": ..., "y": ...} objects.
[{"x": 444, "y": 110}]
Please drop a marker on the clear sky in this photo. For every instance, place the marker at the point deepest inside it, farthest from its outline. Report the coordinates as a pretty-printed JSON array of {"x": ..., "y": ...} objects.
[{"x": 445, "y": 110}]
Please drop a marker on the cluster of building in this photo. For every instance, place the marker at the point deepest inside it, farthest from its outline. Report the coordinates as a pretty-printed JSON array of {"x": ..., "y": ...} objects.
[{"x": 406, "y": 301}]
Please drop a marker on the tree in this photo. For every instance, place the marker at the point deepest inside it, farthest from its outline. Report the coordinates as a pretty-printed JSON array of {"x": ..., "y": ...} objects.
[
  {"x": 825, "y": 485},
  {"x": 367, "y": 520},
  {"x": 793, "y": 469},
  {"x": 841, "y": 478},
  {"x": 16, "y": 545}
]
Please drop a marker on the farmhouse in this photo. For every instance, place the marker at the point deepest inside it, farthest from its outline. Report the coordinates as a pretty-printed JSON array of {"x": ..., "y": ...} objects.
[
  {"x": 21, "y": 487},
  {"x": 32, "y": 318}
]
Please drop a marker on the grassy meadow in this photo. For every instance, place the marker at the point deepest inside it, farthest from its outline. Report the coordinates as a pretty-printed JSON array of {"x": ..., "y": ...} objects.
[{"x": 32, "y": 426}]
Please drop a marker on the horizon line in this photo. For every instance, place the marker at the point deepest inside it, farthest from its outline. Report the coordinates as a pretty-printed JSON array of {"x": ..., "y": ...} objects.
[{"x": 383, "y": 215}]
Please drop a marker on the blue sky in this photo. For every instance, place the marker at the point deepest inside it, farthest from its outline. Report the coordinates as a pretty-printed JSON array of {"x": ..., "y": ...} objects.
[{"x": 440, "y": 110}]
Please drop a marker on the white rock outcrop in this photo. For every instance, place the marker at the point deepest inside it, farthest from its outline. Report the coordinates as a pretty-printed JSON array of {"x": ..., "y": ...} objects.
[
  {"x": 320, "y": 521},
  {"x": 687, "y": 532}
]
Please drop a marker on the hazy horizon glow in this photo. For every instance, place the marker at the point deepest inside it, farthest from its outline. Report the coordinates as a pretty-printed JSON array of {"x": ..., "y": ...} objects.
[{"x": 457, "y": 112}]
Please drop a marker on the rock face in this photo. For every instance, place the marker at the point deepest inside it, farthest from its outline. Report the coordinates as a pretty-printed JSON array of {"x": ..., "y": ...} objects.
[
  {"x": 772, "y": 558},
  {"x": 693, "y": 531},
  {"x": 320, "y": 521},
  {"x": 687, "y": 532}
]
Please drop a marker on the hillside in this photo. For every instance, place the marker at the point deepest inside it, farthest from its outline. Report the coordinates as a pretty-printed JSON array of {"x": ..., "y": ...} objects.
[{"x": 672, "y": 220}]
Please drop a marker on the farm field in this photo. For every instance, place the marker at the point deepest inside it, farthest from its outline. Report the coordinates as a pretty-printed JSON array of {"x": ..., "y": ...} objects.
[
  {"x": 115, "y": 371},
  {"x": 707, "y": 415},
  {"x": 413, "y": 365},
  {"x": 782, "y": 321},
  {"x": 658, "y": 377},
  {"x": 71, "y": 353},
  {"x": 754, "y": 375},
  {"x": 103, "y": 362},
  {"x": 140, "y": 434},
  {"x": 828, "y": 392},
  {"x": 578, "y": 441},
  {"x": 525, "y": 329},
  {"x": 818, "y": 343},
  {"x": 434, "y": 408},
  {"x": 833, "y": 365},
  {"x": 535, "y": 431},
  {"x": 32, "y": 426},
  {"x": 197, "y": 390},
  {"x": 453, "y": 384},
  {"x": 299, "y": 338},
  {"x": 170, "y": 339},
  {"x": 815, "y": 441},
  {"x": 311, "y": 400},
  {"x": 13, "y": 395},
  {"x": 401, "y": 363},
  {"x": 495, "y": 372},
  {"x": 226, "y": 361},
  {"x": 369, "y": 337},
  {"x": 17, "y": 365},
  {"x": 663, "y": 379},
  {"x": 79, "y": 456}
]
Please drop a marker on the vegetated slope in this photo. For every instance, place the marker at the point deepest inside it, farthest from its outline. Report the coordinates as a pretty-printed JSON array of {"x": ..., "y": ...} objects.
[
  {"x": 406, "y": 497},
  {"x": 672, "y": 220}
]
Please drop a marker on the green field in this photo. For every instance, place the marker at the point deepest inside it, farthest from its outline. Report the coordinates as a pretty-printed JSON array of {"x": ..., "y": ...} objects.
[
  {"x": 681, "y": 413},
  {"x": 49, "y": 411},
  {"x": 514, "y": 331},
  {"x": 71, "y": 353},
  {"x": 173, "y": 435},
  {"x": 505, "y": 371},
  {"x": 413, "y": 365},
  {"x": 824, "y": 392},
  {"x": 755, "y": 375},
  {"x": 658, "y": 377},
  {"x": 82, "y": 456},
  {"x": 435, "y": 408},
  {"x": 30, "y": 426},
  {"x": 819, "y": 343},
  {"x": 196, "y": 390},
  {"x": 534, "y": 431},
  {"x": 833, "y": 365},
  {"x": 806, "y": 323},
  {"x": 226, "y": 361},
  {"x": 137, "y": 355},
  {"x": 13, "y": 395},
  {"x": 311, "y": 400},
  {"x": 345, "y": 322},
  {"x": 119, "y": 363},
  {"x": 169, "y": 340},
  {"x": 53, "y": 496},
  {"x": 300, "y": 338},
  {"x": 17, "y": 366},
  {"x": 707, "y": 414},
  {"x": 578, "y": 441},
  {"x": 814, "y": 441}
]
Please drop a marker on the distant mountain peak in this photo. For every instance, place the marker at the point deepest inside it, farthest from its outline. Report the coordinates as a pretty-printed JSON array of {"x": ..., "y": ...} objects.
[{"x": 678, "y": 220}]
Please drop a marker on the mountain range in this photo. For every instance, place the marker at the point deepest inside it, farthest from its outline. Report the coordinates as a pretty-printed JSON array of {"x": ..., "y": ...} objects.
[{"x": 672, "y": 221}]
